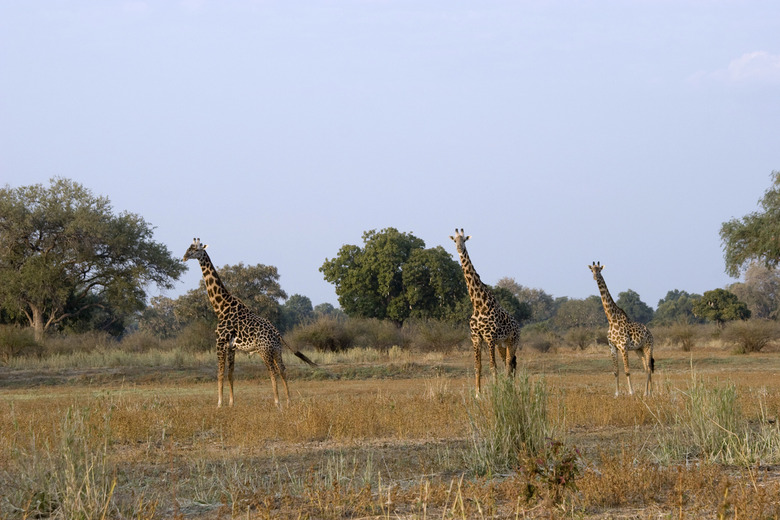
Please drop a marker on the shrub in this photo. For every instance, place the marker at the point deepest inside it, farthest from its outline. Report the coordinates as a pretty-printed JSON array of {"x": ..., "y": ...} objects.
[
  {"x": 436, "y": 335},
  {"x": 750, "y": 336},
  {"x": 16, "y": 341},
  {"x": 538, "y": 338},
  {"x": 198, "y": 336},
  {"x": 64, "y": 344},
  {"x": 682, "y": 334},
  {"x": 374, "y": 333},
  {"x": 326, "y": 334},
  {"x": 139, "y": 342},
  {"x": 580, "y": 337}
]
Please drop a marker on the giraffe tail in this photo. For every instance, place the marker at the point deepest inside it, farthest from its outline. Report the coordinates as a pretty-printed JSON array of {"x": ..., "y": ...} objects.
[
  {"x": 652, "y": 364},
  {"x": 300, "y": 355}
]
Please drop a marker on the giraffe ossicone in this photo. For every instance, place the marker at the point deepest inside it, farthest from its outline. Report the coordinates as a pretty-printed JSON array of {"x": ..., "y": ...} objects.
[
  {"x": 240, "y": 328},
  {"x": 624, "y": 335},
  {"x": 489, "y": 321}
]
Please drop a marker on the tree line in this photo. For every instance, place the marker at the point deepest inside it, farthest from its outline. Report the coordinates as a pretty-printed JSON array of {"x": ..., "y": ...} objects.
[{"x": 69, "y": 262}]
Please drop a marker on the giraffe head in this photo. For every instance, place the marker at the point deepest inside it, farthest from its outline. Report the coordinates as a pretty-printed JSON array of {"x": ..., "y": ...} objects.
[
  {"x": 596, "y": 270},
  {"x": 196, "y": 250},
  {"x": 460, "y": 240}
]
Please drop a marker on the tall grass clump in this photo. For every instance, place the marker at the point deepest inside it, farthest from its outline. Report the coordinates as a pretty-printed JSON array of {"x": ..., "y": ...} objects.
[
  {"x": 68, "y": 477},
  {"x": 709, "y": 426},
  {"x": 507, "y": 423}
]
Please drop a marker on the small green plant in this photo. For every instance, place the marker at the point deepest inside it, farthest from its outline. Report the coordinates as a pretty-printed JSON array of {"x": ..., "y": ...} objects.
[{"x": 552, "y": 473}]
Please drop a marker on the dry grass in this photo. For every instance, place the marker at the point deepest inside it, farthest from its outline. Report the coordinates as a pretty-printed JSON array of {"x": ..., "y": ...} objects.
[{"x": 375, "y": 435}]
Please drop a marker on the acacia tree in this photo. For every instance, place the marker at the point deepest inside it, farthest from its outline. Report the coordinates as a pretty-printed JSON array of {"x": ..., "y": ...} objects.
[
  {"x": 63, "y": 251},
  {"x": 754, "y": 237},
  {"x": 394, "y": 277}
]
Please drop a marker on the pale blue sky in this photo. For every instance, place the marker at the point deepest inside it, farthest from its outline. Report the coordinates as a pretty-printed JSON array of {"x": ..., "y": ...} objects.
[{"x": 555, "y": 133}]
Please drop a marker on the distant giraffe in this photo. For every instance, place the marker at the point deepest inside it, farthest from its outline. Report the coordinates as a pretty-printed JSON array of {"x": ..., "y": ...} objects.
[
  {"x": 239, "y": 327},
  {"x": 489, "y": 321},
  {"x": 625, "y": 335}
]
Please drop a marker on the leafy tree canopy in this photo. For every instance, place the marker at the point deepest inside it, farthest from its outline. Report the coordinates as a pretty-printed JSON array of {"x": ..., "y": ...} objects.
[
  {"x": 297, "y": 309},
  {"x": 720, "y": 306},
  {"x": 255, "y": 285},
  {"x": 587, "y": 313},
  {"x": 541, "y": 304},
  {"x": 634, "y": 307},
  {"x": 676, "y": 307},
  {"x": 394, "y": 277},
  {"x": 754, "y": 237},
  {"x": 64, "y": 252}
]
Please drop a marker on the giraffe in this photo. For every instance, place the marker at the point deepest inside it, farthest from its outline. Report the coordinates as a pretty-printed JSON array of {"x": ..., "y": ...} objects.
[
  {"x": 625, "y": 335},
  {"x": 240, "y": 328},
  {"x": 489, "y": 321}
]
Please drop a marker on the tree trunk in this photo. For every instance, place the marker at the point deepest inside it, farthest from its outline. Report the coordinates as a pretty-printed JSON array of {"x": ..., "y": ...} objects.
[{"x": 37, "y": 324}]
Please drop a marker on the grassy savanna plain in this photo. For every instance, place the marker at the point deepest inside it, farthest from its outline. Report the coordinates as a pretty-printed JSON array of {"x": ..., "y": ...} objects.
[{"x": 386, "y": 434}]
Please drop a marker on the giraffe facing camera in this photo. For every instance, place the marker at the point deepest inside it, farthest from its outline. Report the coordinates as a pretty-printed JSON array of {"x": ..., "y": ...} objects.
[
  {"x": 625, "y": 335},
  {"x": 240, "y": 328},
  {"x": 489, "y": 322}
]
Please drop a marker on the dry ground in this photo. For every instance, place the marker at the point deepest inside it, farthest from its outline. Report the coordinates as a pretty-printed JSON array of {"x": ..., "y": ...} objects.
[{"x": 384, "y": 438}]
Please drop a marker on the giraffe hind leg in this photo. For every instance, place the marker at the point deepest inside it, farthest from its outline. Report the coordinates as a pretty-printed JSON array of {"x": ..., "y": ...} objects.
[{"x": 231, "y": 355}]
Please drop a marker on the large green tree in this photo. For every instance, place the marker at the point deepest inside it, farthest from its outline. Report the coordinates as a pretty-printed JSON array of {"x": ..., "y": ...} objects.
[
  {"x": 541, "y": 304},
  {"x": 754, "y": 237},
  {"x": 393, "y": 276},
  {"x": 634, "y": 307},
  {"x": 64, "y": 251},
  {"x": 720, "y": 306},
  {"x": 676, "y": 307}
]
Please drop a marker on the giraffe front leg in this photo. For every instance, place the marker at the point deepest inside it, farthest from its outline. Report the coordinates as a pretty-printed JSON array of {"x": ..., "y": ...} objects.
[
  {"x": 628, "y": 372},
  {"x": 492, "y": 349},
  {"x": 475, "y": 342},
  {"x": 613, "y": 351}
]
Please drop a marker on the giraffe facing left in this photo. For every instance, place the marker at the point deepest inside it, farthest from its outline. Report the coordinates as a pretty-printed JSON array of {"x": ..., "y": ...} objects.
[{"x": 240, "y": 328}]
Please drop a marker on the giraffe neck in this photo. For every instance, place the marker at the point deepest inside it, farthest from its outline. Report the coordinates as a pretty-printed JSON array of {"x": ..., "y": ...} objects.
[
  {"x": 219, "y": 296},
  {"x": 613, "y": 312},
  {"x": 481, "y": 297}
]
